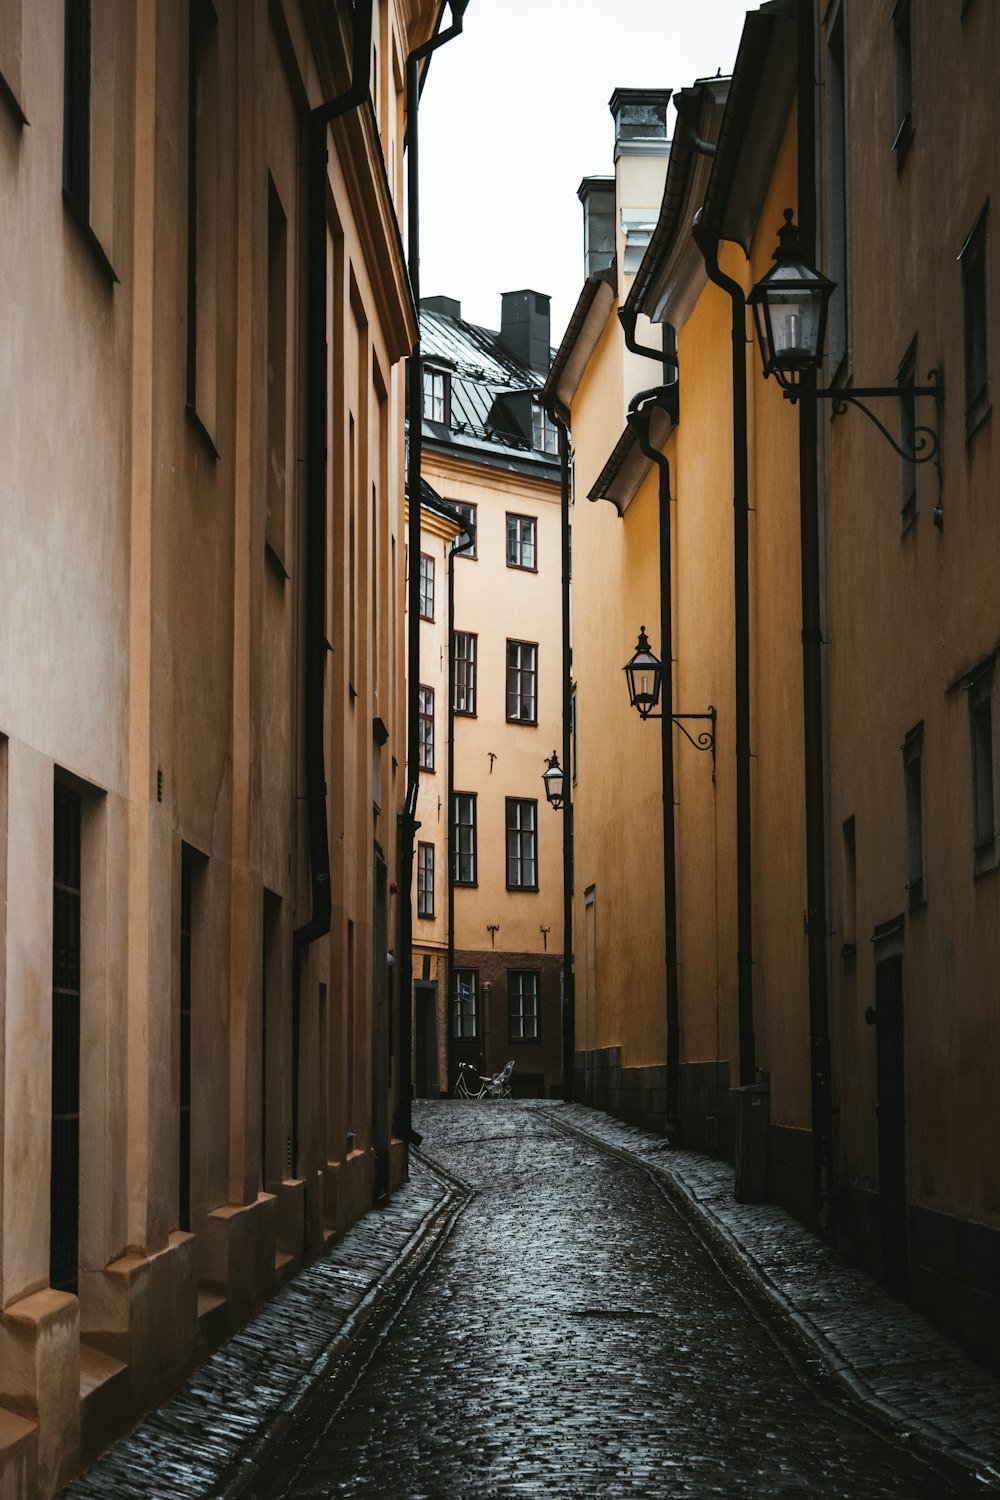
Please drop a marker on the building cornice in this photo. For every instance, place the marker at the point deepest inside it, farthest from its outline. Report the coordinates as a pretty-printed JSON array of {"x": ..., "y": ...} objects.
[
  {"x": 584, "y": 329},
  {"x": 626, "y": 469},
  {"x": 359, "y": 151},
  {"x": 462, "y": 469},
  {"x": 672, "y": 275}
]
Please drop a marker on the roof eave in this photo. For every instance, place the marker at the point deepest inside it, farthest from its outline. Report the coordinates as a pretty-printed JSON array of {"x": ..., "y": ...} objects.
[
  {"x": 626, "y": 469},
  {"x": 587, "y": 323}
]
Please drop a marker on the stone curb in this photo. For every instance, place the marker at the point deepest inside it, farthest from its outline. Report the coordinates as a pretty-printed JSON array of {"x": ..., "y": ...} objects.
[
  {"x": 701, "y": 1187},
  {"x": 275, "y": 1359}
]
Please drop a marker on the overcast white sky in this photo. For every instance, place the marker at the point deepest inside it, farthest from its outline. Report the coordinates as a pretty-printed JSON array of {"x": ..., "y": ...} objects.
[{"x": 515, "y": 113}]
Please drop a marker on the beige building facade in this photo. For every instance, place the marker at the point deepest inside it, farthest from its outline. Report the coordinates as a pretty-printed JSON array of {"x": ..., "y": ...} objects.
[{"x": 201, "y": 679}]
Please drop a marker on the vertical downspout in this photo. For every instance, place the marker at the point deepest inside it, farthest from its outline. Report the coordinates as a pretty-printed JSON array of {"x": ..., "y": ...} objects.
[
  {"x": 820, "y": 1053},
  {"x": 569, "y": 977},
  {"x": 318, "y": 924},
  {"x": 407, "y": 821},
  {"x": 709, "y": 249},
  {"x": 456, "y": 549},
  {"x": 639, "y": 422}
]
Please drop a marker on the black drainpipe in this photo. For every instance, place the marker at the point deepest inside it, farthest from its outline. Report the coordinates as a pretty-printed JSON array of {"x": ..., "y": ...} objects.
[
  {"x": 640, "y": 409},
  {"x": 407, "y": 819},
  {"x": 569, "y": 972},
  {"x": 316, "y": 647},
  {"x": 820, "y": 1051},
  {"x": 709, "y": 248}
]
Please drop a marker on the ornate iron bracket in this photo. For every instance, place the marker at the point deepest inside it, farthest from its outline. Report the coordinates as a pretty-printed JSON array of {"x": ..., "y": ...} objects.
[
  {"x": 705, "y": 740},
  {"x": 923, "y": 444}
]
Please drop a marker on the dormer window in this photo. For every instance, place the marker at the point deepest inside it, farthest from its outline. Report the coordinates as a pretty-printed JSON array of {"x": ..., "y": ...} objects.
[
  {"x": 437, "y": 389},
  {"x": 545, "y": 433}
]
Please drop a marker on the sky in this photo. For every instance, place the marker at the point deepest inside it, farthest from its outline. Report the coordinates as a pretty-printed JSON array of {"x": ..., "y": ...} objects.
[{"x": 515, "y": 112}]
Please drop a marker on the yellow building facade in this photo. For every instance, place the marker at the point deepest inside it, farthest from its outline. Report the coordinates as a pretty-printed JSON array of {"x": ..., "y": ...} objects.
[
  {"x": 201, "y": 679},
  {"x": 830, "y": 1022},
  {"x": 489, "y": 454}
]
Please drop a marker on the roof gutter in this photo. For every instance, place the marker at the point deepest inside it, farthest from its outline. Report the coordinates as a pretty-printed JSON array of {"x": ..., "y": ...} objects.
[{"x": 586, "y": 324}]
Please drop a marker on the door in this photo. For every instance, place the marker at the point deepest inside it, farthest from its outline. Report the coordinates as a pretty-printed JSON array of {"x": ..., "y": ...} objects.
[
  {"x": 381, "y": 1012},
  {"x": 891, "y": 1109},
  {"x": 425, "y": 1039}
]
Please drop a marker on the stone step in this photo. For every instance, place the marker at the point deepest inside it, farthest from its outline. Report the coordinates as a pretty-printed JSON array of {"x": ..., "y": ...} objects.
[{"x": 104, "y": 1392}]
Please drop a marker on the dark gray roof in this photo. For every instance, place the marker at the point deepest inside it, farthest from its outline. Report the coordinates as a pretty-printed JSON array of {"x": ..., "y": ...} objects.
[{"x": 491, "y": 396}]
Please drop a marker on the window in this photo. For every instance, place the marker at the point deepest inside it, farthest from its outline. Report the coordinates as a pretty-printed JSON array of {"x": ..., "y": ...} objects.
[
  {"x": 522, "y": 1005},
  {"x": 425, "y": 726},
  {"x": 465, "y": 1006},
  {"x": 521, "y": 542},
  {"x": 975, "y": 303},
  {"x": 905, "y": 377},
  {"x": 76, "y": 107},
  {"x": 838, "y": 226},
  {"x": 913, "y": 776},
  {"x": 277, "y": 308},
  {"x": 544, "y": 432},
  {"x": 426, "y": 587},
  {"x": 983, "y": 789},
  {"x": 902, "y": 39},
  {"x": 203, "y": 215},
  {"x": 522, "y": 678},
  {"x": 184, "y": 1085},
  {"x": 64, "y": 1181},
  {"x": 11, "y": 24},
  {"x": 425, "y": 880},
  {"x": 465, "y": 674},
  {"x": 849, "y": 910},
  {"x": 469, "y": 513},
  {"x": 436, "y": 392},
  {"x": 522, "y": 858},
  {"x": 464, "y": 834}
]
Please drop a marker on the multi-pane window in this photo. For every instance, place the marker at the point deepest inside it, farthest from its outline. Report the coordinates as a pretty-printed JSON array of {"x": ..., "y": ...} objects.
[
  {"x": 522, "y": 1005},
  {"x": 64, "y": 1183},
  {"x": 465, "y": 673},
  {"x": 426, "y": 587},
  {"x": 468, "y": 512},
  {"x": 425, "y": 880},
  {"x": 975, "y": 302},
  {"x": 902, "y": 35},
  {"x": 522, "y": 844},
  {"x": 435, "y": 395},
  {"x": 913, "y": 777},
  {"x": 425, "y": 728},
  {"x": 545, "y": 433},
  {"x": 521, "y": 550},
  {"x": 464, "y": 835},
  {"x": 465, "y": 1006},
  {"x": 522, "y": 682},
  {"x": 983, "y": 782}
]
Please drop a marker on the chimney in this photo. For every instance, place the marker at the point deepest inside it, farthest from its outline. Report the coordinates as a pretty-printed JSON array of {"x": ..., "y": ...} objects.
[
  {"x": 524, "y": 328},
  {"x": 640, "y": 117},
  {"x": 597, "y": 194},
  {"x": 448, "y": 307}
]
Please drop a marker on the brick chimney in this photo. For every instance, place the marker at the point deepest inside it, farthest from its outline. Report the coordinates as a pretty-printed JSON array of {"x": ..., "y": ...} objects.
[{"x": 524, "y": 328}]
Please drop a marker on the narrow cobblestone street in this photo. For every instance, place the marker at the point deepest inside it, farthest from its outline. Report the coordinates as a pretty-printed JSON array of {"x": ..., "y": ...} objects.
[
  {"x": 559, "y": 1305},
  {"x": 574, "y": 1338}
]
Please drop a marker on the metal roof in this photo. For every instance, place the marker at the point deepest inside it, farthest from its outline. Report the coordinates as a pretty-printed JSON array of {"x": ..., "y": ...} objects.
[{"x": 481, "y": 371}]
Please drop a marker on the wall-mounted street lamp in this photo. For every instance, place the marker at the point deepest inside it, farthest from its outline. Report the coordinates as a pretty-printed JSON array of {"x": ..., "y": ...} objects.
[
  {"x": 790, "y": 304},
  {"x": 554, "y": 782},
  {"x": 644, "y": 675}
]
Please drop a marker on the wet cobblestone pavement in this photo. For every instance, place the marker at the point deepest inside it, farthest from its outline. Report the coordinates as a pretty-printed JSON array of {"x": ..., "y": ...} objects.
[
  {"x": 544, "y": 1317},
  {"x": 574, "y": 1338}
]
